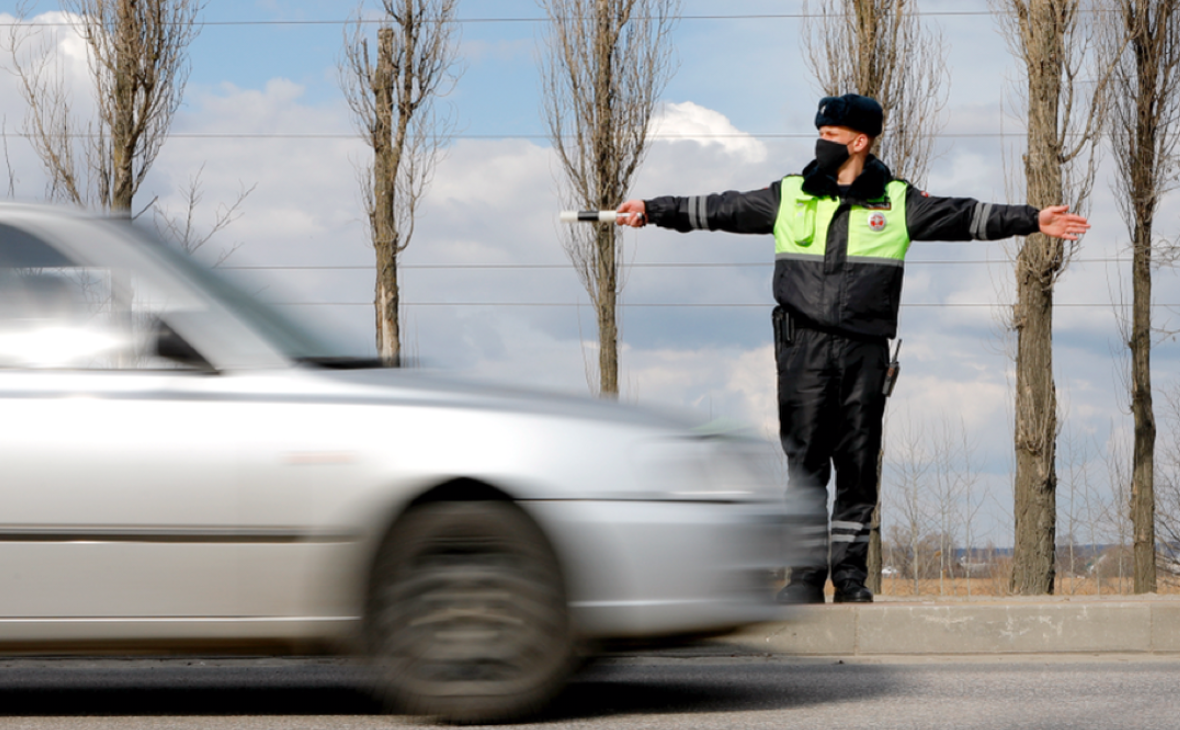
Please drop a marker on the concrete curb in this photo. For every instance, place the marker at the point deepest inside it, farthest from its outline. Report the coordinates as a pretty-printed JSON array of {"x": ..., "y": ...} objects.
[{"x": 1149, "y": 625}]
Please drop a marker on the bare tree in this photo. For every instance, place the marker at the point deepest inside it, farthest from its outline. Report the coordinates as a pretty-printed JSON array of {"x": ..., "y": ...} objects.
[
  {"x": 137, "y": 51},
  {"x": 184, "y": 229},
  {"x": 1064, "y": 123},
  {"x": 1142, "y": 40},
  {"x": 605, "y": 64},
  {"x": 1087, "y": 504},
  {"x": 1116, "y": 516},
  {"x": 392, "y": 94},
  {"x": 972, "y": 502},
  {"x": 955, "y": 484},
  {"x": 878, "y": 48},
  {"x": 908, "y": 476}
]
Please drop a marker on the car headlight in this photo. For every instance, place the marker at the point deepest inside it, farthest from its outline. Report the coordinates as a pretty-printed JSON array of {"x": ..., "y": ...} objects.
[{"x": 706, "y": 469}]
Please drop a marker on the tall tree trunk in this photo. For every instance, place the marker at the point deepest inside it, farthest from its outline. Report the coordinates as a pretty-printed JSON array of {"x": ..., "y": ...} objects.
[
  {"x": 1144, "y": 142},
  {"x": 1033, "y": 569},
  {"x": 608, "y": 330},
  {"x": 605, "y": 64},
  {"x": 123, "y": 138},
  {"x": 1143, "y": 190},
  {"x": 391, "y": 96},
  {"x": 608, "y": 196},
  {"x": 386, "y": 158},
  {"x": 1143, "y": 467},
  {"x": 1037, "y": 265}
]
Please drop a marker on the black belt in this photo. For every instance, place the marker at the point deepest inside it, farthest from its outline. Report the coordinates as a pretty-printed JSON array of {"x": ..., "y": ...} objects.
[{"x": 787, "y": 324}]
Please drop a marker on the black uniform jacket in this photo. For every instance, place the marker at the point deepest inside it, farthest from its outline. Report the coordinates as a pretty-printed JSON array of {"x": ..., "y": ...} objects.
[{"x": 835, "y": 294}]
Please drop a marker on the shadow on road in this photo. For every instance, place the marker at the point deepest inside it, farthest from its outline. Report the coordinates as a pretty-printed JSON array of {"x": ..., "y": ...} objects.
[
  {"x": 186, "y": 690},
  {"x": 601, "y": 691},
  {"x": 714, "y": 687}
]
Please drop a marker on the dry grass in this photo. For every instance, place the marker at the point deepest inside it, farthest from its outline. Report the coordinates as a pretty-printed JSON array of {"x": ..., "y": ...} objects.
[{"x": 994, "y": 586}]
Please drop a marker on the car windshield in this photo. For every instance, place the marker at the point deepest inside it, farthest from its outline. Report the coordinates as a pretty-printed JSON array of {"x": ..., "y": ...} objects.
[
  {"x": 72, "y": 296},
  {"x": 296, "y": 340}
]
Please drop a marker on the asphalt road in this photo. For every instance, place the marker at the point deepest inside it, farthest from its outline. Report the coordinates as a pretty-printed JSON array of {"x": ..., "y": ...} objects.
[{"x": 717, "y": 692}]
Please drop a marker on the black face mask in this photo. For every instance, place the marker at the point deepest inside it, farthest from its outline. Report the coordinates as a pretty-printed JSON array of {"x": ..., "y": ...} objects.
[{"x": 830, "y": 155}]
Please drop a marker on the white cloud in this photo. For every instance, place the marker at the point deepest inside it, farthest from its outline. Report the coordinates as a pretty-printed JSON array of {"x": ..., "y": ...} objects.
[
  {"x": 275, "y": 109},
  {"x": 687, "y": 121},
  {"x": 51, "y": 37},
  {"x": 48, "y": 44}
]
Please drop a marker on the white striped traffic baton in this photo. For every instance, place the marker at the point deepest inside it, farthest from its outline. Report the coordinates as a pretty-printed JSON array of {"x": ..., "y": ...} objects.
[{"x": 592, "y": 216}]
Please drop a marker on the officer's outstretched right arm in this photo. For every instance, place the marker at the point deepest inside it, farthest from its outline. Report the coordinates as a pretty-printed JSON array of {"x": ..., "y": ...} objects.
[{"x": 734, "y": 212}]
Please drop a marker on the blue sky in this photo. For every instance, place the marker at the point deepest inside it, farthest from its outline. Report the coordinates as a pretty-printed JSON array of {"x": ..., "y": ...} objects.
[{"x": 494, "y": 202}]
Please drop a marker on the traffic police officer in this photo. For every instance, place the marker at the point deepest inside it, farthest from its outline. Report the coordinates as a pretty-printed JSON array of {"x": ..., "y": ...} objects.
[{"x": 841, "y": 230}]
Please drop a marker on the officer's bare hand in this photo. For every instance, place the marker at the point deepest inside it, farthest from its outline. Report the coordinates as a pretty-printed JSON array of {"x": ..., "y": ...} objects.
[
  {"x": 632, "y": 213},
  {"x": 1058, "y": 222}
]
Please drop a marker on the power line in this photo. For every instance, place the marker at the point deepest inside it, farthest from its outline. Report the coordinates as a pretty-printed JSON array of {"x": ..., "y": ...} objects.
[
  {"x": 538, "y": 137},
  {"x": 645, "y": 265},
  {"x": 492, "y": 21},
  {"x": 692, "y": 305}
]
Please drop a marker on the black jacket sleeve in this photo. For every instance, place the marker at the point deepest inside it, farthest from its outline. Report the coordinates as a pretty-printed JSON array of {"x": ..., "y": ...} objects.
[
  {"x": 930, "y": 218},
  {"x": 750, "y": 212}
]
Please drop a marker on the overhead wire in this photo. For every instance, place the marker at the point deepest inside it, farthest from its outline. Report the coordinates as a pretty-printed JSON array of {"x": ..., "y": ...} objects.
[
  {"x": 491, "y": 20},
  {"x": 699, "y": 305},
  {"x": 640, "y": 265}
]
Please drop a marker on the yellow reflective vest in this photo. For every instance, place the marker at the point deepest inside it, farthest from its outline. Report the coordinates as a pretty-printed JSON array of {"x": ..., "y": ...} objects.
[{"x": 839, "y": 264}]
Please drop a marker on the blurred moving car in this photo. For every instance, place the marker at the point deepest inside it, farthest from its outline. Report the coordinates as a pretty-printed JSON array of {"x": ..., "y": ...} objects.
[{"x": 186, "y": 471}]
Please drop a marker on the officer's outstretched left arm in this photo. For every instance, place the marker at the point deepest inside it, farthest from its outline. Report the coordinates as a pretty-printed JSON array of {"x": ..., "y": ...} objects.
[{"x": 933, "y": 218}]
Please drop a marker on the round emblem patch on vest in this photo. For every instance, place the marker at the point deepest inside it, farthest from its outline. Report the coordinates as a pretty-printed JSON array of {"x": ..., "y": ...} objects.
[{"x": 877, "y": 220}]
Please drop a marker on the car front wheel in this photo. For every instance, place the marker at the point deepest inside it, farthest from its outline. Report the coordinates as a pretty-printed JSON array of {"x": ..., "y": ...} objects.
[{"x": 467, "y": 616}]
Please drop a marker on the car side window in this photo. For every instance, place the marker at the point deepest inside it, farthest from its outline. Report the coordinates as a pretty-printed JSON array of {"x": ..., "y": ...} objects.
[{"x": 59, "y": 313}]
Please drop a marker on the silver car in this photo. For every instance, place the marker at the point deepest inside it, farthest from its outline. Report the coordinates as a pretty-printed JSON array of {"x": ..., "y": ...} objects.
[{"x": 183, "y": 470}]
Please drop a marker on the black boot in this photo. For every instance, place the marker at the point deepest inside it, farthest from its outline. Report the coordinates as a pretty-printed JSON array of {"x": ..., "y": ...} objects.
[
  {"x": 798, "y": 593},
  {"x": 853, "y": 593}
]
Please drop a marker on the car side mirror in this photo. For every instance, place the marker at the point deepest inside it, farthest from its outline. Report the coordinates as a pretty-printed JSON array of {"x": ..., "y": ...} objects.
[{"x": 170, "y": 345}]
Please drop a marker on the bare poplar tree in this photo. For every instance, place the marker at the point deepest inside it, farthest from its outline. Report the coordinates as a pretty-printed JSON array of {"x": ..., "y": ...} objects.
[
  {"x": 1143, "y": 41},
  {"x": 1075, "y": 476},
  {"x": 1051, "y": 41},
  {"x": 1116, "y": 516},
  {"x": 605, "y": 64},
  {"x": 878, "y": 48},
  {"x": 948, "y": 489},
  {"x": 908, "y": 468},
  {"x": 139, "y": 66},
  {"x": 954, "y": 484},
  {"x": 392, "y": 94}
]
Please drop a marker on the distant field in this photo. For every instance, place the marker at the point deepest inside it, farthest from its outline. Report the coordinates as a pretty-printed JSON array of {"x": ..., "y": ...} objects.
[{"x": 989, "y": 587}]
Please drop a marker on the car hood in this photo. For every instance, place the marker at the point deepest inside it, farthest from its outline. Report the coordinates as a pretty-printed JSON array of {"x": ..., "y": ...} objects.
[{"x": 381, "y": 384}]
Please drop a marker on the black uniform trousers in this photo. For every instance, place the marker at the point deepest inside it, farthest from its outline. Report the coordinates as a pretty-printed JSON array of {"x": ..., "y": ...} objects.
[{"x": 831, "y": 409}]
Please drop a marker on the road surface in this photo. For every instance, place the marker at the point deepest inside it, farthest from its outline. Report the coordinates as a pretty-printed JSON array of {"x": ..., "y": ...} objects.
[{"x": 629, "y": 692}]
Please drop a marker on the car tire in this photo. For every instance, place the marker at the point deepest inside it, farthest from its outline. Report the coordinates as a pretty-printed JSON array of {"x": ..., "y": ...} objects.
[{"x": 467, "y": 618}]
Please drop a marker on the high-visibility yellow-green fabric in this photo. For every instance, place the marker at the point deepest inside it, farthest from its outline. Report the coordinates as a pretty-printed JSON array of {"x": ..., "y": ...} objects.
[{"x": 876, "y": 229}]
